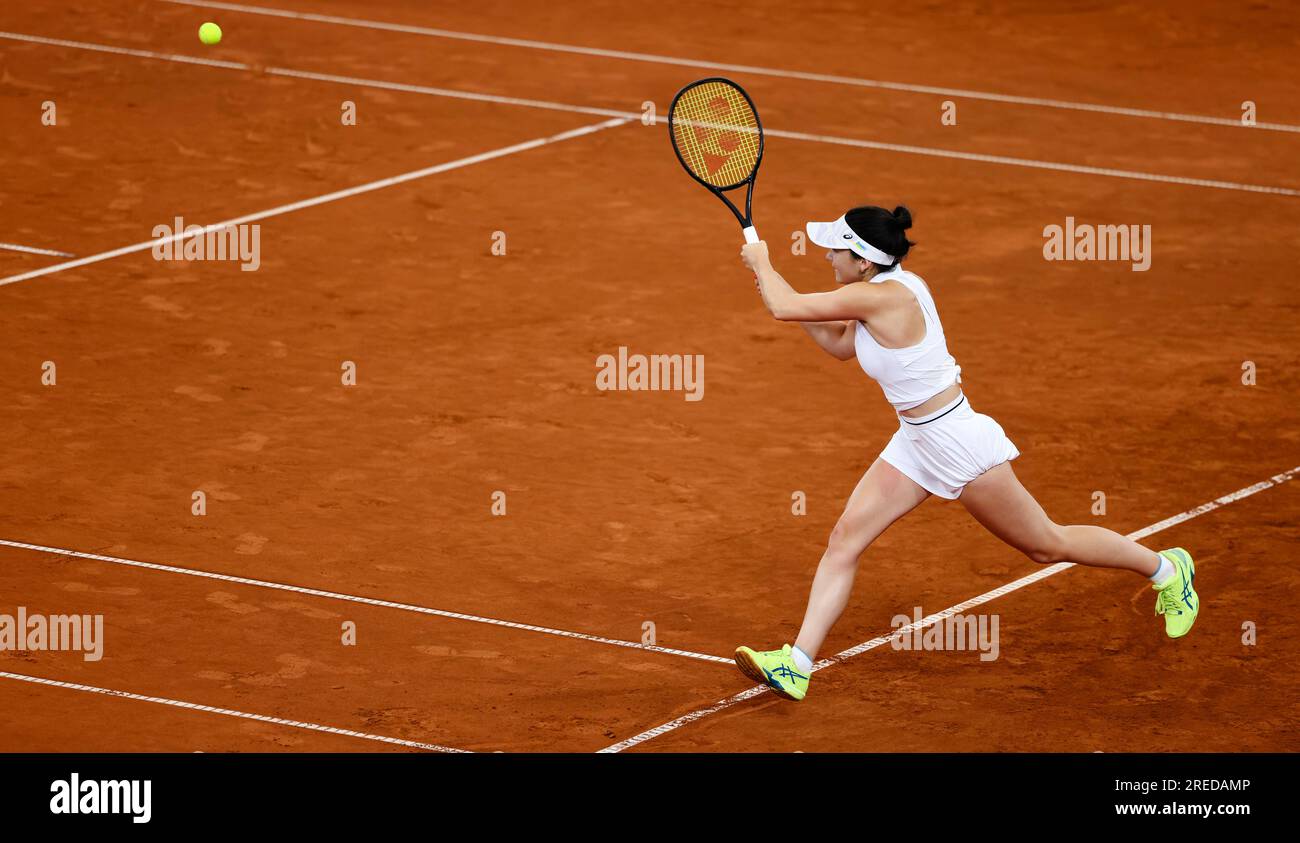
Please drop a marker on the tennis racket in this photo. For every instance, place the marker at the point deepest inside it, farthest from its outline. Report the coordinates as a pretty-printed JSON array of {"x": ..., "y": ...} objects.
[{"x": 717, "y": 136}]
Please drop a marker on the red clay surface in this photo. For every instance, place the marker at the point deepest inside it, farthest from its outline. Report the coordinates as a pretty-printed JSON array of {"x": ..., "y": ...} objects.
[{"x": 477, "y": 374}]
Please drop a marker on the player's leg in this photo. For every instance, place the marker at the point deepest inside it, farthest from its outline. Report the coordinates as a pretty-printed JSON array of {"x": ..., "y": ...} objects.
[
  {"x": 882, "y": 496},
  {"x": 1007, "y": 510}
]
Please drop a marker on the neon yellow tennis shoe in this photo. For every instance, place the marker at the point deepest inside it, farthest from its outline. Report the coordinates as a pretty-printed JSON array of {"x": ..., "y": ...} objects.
[
  {"x": 775, "y": 669},
  {"x": 1176, "y": 599}
]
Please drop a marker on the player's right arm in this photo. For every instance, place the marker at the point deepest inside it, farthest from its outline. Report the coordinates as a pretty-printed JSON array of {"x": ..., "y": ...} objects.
[{"x": 849, "y": 302}]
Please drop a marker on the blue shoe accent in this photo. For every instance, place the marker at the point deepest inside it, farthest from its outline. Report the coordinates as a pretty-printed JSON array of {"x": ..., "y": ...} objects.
[
  {"x": 1187, "y": 587},
  {"x": 785, "y": 673}
]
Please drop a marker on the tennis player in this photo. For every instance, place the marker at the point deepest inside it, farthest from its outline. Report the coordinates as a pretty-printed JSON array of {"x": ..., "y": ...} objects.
[{"x": 886, "y": 317}]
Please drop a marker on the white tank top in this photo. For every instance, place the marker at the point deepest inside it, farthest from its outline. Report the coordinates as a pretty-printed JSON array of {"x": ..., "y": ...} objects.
[{"x": 909, "y": 376}]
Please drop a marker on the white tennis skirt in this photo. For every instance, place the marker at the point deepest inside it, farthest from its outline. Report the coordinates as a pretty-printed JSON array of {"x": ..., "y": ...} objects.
[{"x": 948, "y": 448}]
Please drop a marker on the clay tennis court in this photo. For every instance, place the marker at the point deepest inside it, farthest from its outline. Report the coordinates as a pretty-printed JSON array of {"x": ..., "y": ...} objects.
[{"x": 373, "y": 504}]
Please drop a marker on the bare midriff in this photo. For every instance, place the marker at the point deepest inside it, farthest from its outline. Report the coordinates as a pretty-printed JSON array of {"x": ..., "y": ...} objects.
[{"x": 930, "y": 405}]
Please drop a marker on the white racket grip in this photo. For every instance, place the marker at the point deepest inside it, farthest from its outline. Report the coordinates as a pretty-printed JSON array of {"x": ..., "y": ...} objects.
[{"x": 751, "y": 234}]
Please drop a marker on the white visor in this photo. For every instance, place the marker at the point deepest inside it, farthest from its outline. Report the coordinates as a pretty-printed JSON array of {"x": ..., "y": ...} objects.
[{"x": 838, "y": 235}]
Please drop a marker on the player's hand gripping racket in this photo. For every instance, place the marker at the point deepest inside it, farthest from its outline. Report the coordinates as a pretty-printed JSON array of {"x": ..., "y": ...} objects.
[{"x": 717, "y": 137}]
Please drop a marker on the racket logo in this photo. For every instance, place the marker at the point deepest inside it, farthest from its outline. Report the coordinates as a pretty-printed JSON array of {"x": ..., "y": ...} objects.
[{"x": 717, "y": 145}]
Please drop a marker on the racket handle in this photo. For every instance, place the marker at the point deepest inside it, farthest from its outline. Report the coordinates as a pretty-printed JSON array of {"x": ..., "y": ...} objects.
[{"x": 751, "y": 234}]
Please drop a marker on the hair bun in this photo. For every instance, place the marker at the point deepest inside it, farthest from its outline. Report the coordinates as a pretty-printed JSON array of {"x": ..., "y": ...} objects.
[{"x": 903, "y": 216}]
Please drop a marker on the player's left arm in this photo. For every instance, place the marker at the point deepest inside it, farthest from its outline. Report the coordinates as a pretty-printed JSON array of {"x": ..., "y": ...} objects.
[{"x": 854, "y": 301}]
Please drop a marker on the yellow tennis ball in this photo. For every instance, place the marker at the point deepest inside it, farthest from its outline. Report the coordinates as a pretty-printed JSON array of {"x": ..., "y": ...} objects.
[{"x": 209, "y": 33}]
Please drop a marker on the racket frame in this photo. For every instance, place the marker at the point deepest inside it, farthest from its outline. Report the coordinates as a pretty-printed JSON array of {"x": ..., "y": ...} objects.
[{"x": 746, "y": 220}]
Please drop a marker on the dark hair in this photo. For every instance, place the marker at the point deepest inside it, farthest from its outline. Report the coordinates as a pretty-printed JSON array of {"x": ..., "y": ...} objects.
[{"x": 882, "y": 229}]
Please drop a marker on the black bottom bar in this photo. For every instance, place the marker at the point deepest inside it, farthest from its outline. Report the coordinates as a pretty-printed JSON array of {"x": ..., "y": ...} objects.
[{"x": 634, "y": 792}]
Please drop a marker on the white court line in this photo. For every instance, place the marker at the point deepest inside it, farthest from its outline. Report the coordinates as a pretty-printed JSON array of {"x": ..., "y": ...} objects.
[
  {"x": 1035, "y": 164},
  {"x": 737, "y": 68},
  {"x": 368, "y": 601},
  {"x": 297, "y": 724},
  {"x": 1015, "y": 585},
  {"x": 633, "y": 115},
  {"x": 126, "y": 51},
  {"x": 451, "y": 93},
  {"x": 32, "y": 250},
  {"x": 318, "y": 200}
]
